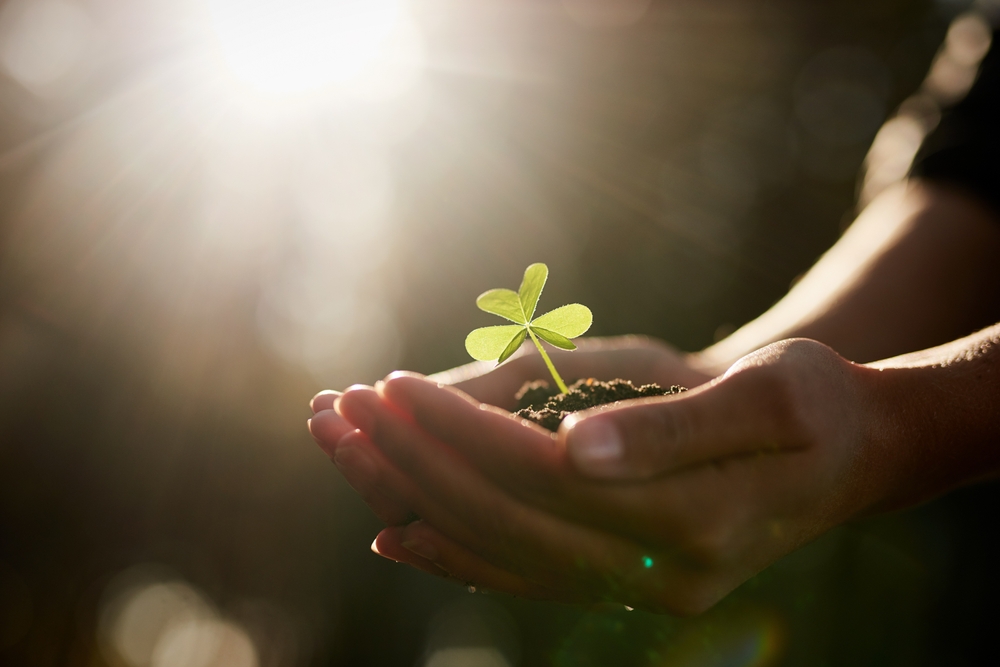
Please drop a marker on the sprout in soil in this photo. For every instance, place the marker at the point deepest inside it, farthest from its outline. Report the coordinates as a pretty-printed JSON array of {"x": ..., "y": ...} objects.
[{"x": 556, "y": 327}]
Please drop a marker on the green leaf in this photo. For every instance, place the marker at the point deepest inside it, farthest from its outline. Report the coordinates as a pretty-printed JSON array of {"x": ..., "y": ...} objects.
[
  {"x": 488, "y": 343},
  {"x": 513, "y": 346},
  {"x": 553, "y": 338},
  {"x": 531, "y": 288},
  {"x": 502, "y": 302},
  {"x": 569, "y": 321}
]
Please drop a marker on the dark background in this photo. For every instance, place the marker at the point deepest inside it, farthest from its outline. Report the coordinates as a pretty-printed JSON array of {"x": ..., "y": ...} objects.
[{"x": 181, "y": 270}]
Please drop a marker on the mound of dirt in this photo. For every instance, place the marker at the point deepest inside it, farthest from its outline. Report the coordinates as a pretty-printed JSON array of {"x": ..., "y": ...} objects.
[{"x": 545, "y": 406}]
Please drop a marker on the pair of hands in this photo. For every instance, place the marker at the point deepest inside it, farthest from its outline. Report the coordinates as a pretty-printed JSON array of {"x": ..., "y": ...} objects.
[{"x": 665, "y": 504}]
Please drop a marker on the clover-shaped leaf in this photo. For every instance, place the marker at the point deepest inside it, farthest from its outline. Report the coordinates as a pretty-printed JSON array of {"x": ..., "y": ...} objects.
[
  {"x": 531, "y": 288},
  {"x": 502, "y": 302},
  {"x": 569, "y": 321},
  {"x": 556, "y": 327},
  {"x": 490, "y": 343}
]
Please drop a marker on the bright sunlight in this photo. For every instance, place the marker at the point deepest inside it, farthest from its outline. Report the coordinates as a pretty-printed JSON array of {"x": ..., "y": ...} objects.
[{"x": 293, "y": 46}]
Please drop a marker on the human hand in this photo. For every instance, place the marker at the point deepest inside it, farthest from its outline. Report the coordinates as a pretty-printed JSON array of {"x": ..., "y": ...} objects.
[
  {"x": 710, "y": 486},
  {"x": 359, "y": 465},
  {"x": 638, "y": 358}
]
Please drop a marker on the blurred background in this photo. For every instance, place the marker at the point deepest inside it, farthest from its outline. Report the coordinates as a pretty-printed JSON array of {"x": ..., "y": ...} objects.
[{"x": 211, "y": 209}]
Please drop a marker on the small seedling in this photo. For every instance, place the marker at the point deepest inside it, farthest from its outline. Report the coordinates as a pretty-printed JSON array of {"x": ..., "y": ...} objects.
[{"x": 556, "y": 327}]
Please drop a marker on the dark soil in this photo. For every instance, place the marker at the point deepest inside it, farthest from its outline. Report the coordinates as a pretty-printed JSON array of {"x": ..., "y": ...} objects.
[{"x": 545, "y": 406}]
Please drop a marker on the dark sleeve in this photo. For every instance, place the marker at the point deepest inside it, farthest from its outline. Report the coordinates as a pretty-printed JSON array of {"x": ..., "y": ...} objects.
[{"x": 964, "y": 149}]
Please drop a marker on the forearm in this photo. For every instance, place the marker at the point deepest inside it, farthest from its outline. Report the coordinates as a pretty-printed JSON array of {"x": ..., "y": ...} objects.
[
  {"x": 938, "y": 424},
  {"x": 914, "y": 270}
]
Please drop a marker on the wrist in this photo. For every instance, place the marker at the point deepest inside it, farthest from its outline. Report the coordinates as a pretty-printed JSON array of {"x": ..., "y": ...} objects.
[
  {"x": 892, "y": 445},
  {"x": 939, "y": 421}
]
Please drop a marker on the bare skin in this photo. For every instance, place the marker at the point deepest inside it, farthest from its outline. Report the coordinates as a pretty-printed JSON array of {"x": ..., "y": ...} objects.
[
  {"x": 670, "y": 503},
  {"x": 637, "y": 357}
]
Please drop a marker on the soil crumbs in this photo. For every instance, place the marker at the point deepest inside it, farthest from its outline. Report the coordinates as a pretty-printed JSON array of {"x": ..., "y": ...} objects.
[{"x": 544, "y": 405}]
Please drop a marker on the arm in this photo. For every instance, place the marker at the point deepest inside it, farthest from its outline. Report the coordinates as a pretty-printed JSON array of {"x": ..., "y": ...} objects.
[
  {"x": 711, "y": 486},
  {"x": 913, "y": 271},
  {"x": 917, "y": 268},
  {"x": 945, "y": 407},
  {"x": 842, "y": 440}
]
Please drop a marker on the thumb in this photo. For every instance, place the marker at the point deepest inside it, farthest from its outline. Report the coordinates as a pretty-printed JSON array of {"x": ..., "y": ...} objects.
[{"x": 645, "y": 438}]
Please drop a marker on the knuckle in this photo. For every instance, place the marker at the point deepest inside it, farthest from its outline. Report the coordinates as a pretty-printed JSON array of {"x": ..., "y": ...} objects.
[
  {"x": 784, "y": 377},
  {"x": 810, "y": 373}
]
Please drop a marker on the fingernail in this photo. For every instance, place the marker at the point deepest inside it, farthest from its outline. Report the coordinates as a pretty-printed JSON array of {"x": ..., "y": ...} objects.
[
  {"x": 323, "y": 400},
  {"x": 355, "y": 465},
  {"x": 596, "y": 447},
  {"x": 422, "y": 548},
  {"x": 375, "y": 551}
]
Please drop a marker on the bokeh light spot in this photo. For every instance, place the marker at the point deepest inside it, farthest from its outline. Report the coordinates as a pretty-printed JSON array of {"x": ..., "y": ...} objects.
[
  {"x": 42, "y": 41},
  {"x": 144, "y": 613},
  {"x": 151, "y": 619},
  {"x": 472, "y": 632},
  {"x": 204, "y": 642},
  {"x": 467, "y": 656}
]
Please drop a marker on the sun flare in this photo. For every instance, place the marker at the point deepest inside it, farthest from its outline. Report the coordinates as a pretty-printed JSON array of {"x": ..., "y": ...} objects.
[{"x": 293, "y": 46}]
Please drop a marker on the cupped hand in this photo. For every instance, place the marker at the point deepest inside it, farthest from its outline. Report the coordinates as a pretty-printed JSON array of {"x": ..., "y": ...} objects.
[
  {"x": 637, "y": 358},
  {"x": 666, "y": 503},
  {"x": 361, "y": 465}
]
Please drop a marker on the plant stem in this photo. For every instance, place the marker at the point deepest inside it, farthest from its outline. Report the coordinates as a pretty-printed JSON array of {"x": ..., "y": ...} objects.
[{"x": 548, "y": 362}]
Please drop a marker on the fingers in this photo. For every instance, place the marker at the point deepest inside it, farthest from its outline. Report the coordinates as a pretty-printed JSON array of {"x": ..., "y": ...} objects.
[
  {"x": 687, "y": 515},
  {"x": 389, "y": 545},
  {"x": 489, "y": 383},
  {"x": 508, "y": 450},
  {"x": 420, "y": 545},
  {"x": 375, "y": 480},
  {"x": 442, "y": 489},
  {"x": 462, "y": 504},
  {"x": 526, "y": 463},
  {"x": 324, "y": 400},
  {"x": 503, "y": 545},
  {"x": 327, "y": 428},
  {"x": 360, "y": 462},
  {"x": 740, "y": 414}
]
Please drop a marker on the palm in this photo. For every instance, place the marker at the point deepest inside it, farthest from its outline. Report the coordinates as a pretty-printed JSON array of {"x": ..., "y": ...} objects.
[{"x": 637, "y": 358}]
